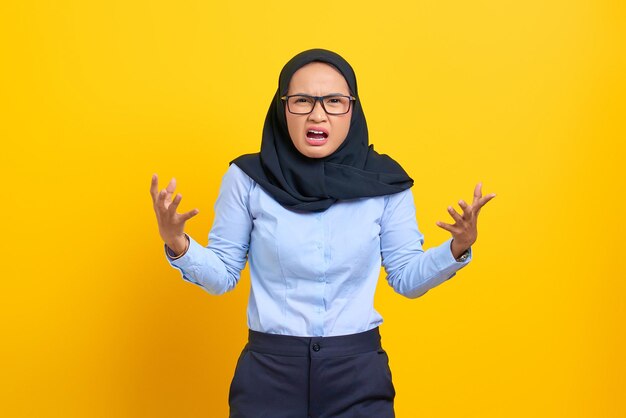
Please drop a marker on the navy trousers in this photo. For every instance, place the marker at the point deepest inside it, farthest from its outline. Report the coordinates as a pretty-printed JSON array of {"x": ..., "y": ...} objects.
[{"x": 282, "y": 376}]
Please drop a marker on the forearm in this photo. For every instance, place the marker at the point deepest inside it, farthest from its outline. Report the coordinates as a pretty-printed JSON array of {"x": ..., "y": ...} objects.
[
  {"x": 425, "y": 270},
  {"x": 210, "y": 269}
]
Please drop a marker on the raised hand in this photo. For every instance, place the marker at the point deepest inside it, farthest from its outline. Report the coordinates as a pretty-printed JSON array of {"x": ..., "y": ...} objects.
[
  {"x": 464, "y": 231},
  {"x": 171, "y": 224}
]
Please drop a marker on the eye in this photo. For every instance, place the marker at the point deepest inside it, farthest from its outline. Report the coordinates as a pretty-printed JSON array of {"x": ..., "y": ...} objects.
[
  {"x": 335, "y": 101},
  {"x": 301, "y": 100}
]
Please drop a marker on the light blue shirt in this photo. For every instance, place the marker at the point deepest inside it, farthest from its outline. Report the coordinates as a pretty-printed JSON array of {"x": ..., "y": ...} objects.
[{"x": 313, "y": 274}]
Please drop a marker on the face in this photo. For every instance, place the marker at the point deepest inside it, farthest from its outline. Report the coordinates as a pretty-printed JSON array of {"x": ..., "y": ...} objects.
[{"x": 318, "y": 79}]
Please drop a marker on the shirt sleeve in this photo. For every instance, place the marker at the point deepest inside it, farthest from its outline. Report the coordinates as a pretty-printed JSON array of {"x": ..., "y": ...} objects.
[
  {"x": 217, "y": 267},
  {"x": 411, "y": 271}
]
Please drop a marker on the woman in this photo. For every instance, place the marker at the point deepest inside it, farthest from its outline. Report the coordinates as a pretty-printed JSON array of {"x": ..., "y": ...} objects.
[{"x": 316, "y": 212}]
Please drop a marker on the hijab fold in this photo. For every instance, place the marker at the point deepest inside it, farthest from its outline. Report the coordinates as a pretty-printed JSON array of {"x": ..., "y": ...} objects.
[{"x": 298, "y": 182}]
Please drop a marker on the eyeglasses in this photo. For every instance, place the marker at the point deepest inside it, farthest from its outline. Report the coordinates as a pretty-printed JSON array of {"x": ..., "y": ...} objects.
[{"x": 301, "y": 104}]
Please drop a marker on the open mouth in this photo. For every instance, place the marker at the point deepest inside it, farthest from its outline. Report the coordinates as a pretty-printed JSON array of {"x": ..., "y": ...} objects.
[{"x": 316, "y": 135}]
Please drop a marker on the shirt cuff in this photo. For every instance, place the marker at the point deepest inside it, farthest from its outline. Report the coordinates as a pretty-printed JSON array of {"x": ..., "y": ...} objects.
[
  {"x": 170, "y": 253},
  {"x": 188, "y": 258},
  {"x": 445, "y": 260}
]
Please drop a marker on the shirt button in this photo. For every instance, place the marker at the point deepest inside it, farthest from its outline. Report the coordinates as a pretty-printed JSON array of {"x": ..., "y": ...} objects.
[{"x": 316, "y": 347}]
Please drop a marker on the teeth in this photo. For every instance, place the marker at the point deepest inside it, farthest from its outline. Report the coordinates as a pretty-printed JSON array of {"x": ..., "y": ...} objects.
[{"x": 316, "y": 132}]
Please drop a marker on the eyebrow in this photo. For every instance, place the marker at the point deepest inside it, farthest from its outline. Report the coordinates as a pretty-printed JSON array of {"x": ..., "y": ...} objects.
[{"x": 329, "y": 94}]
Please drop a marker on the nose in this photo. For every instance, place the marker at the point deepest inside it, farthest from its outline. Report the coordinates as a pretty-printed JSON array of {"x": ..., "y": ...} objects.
[{"x": 318, "y": 114}]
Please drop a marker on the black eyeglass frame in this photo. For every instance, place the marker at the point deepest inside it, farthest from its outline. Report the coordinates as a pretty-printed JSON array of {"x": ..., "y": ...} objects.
[{"x": 318, "y": 99}]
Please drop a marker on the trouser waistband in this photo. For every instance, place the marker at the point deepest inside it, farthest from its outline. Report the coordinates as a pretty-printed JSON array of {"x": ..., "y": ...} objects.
[{"x": 293, "y": 346}]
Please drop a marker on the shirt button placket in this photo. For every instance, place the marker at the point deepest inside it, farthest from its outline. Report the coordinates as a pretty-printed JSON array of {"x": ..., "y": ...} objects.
[{"x": 319, "y": 244}]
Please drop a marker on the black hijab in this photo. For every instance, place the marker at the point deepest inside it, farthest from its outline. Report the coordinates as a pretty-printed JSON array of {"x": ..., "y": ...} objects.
[{"x": 313, "y": 184}]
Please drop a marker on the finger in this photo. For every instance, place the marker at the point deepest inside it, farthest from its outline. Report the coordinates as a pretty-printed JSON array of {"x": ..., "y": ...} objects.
[
  {"x": 484, "y": 200},
  {"x": 154, "y": 187},
  {"x": 467, "y": 211},
  {"x": 447, "y": 227},
  {"x": 161, "y": 199},
  {"x": 174, "y": 204},
  {"x": 455, "y": 215},
  {"x": 171, "y": 186},
  {"x": 487, "y": 199},
  {"x": 188, "y": 215},
  {"x": 477, "y": 192}
]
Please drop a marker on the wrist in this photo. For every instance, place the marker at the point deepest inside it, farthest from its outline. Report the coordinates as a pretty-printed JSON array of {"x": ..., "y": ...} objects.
[
  {"x": 178, "y": 246},
  {"x": 459, "y": 250}
]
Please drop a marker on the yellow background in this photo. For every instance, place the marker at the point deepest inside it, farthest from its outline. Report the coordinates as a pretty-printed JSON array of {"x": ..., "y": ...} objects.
[{"x": 528, "y": 97}]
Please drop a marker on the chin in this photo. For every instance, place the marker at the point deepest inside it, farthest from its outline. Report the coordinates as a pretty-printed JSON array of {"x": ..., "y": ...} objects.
[{"x": 315, "y": 153}]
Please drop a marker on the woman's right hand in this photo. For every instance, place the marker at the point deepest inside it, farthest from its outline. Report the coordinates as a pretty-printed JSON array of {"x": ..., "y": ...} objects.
[{"x": 171, "y": 224}]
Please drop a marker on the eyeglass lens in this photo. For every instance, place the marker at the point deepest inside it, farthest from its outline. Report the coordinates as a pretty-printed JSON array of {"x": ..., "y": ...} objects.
[{"x": 332, "y": 104}]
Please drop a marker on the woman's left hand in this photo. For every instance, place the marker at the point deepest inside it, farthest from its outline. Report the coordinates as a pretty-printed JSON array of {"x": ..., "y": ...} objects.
[{"x": 464, "y": 231}]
